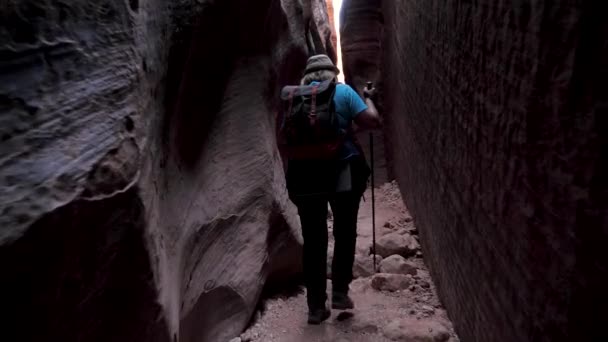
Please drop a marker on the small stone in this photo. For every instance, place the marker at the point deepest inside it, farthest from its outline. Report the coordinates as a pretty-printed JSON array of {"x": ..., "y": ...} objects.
[
  {"x": 412, "y": 330},
  {"x": 419, "y": 254},
  {"x": 398, "y": 265},
  {"x": 390, "y": 282},
  {"x": 236, "y": 339},
  {"x": 388, "y": 225},
  {"x": 408, "y": 219}
]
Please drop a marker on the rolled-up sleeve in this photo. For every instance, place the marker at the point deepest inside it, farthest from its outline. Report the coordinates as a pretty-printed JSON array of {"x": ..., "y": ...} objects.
[{"x": 356, "y": 104}]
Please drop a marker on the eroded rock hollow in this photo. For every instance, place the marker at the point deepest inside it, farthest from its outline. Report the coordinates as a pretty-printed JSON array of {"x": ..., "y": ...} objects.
[
  {"x": 496, "y": 116},
  {"x": 141, "y": 192}
]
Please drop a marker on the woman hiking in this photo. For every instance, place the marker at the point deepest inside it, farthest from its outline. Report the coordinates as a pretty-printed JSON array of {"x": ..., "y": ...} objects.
[{"x": 325, "y": 165}]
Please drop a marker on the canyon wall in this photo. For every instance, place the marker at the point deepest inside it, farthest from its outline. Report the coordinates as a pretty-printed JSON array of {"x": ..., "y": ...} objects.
[
  {"x": 141, "y": 192},
  {"x": 361, "y": 32},
  {"x": 496, "y": 114}
]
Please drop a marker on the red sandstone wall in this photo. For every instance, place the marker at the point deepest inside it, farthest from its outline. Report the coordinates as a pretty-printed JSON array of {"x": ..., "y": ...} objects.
[{"x": 497, "y": 112}]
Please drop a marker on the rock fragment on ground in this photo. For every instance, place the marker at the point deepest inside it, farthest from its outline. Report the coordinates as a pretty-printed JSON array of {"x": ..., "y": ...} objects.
[
  {"x": 395, "y": 243},
  {"x": 397, "y": 264},
  {"x": 391, "y": 282}
]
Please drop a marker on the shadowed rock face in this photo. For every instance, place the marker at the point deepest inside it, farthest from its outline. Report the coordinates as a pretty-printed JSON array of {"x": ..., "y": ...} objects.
[
  {"x": 361, "y": 37},
  {"x": 141, "y": 192},
  {"x": 496, "y": 116}
]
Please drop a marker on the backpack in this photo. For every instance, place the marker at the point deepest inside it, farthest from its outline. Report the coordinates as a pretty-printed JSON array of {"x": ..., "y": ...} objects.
[{"x": 310, "y": 129}]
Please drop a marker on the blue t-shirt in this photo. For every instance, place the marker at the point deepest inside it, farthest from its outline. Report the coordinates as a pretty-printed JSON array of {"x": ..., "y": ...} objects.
[{"x": 348, "y": 105}]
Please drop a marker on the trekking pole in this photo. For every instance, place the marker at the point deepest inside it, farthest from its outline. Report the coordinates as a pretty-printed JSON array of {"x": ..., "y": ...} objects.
[{"x": 371, "y": 161}]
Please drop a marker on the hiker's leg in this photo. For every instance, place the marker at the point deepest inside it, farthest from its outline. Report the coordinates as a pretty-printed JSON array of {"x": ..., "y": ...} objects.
[
  {"x": 313, "y": 216},
  {"x": 345, "y": 208}
]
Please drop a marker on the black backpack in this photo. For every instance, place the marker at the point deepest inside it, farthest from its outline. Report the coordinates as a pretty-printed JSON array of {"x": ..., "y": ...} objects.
[{"x": 310, "y": 129}]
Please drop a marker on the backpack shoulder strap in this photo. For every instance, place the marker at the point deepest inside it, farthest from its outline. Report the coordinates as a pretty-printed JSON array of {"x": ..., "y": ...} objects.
[{"x": 304, "y": 90}]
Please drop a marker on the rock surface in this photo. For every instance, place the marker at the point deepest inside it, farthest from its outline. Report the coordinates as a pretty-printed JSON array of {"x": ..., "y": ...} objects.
[
  {"x": 134, "y": 205},
  {"x": 412, "y": 330},
  {"x": 398, "y": 265},
  {"x": 491, "y": 111}
]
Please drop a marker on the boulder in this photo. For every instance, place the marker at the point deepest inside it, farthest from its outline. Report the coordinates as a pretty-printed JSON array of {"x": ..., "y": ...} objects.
[
  {"x": 391, "y": 282},
  {"x": 414, "y": 330},
  {"x": 395, "y": 243},
  {"x": 398, "y": 265}
]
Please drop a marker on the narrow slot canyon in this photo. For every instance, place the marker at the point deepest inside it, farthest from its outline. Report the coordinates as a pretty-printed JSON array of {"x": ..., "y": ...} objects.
[{"x": 143, "y": 193}]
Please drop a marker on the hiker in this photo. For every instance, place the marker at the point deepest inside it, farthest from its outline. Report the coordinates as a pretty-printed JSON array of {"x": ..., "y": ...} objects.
[{"x": 325, "y": 164}]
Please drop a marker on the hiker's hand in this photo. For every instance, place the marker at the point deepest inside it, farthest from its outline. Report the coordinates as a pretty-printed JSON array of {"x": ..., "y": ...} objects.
[{"x": 370, "y": 93}]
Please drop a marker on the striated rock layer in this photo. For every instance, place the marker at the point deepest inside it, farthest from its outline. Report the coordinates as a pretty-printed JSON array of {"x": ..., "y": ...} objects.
[
  {"x": 496, "y": 112},
  {"x": 141, "y": 192}
]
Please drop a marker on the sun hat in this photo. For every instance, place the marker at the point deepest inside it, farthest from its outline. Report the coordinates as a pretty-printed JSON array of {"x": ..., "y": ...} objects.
[{"x": 320, "y": 62}]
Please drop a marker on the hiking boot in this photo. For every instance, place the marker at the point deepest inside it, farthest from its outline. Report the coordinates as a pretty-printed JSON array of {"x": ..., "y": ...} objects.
[
  {"x": 341, "y": 301},
  {"x": 318, "y": 315}
]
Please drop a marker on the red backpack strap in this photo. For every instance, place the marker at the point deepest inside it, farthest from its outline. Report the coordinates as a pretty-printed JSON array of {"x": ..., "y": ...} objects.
[{"x": 313, "y": 104}]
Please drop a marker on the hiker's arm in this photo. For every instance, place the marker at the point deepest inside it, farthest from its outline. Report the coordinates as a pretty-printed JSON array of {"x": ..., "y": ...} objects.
[{"x": 369, "y": 118}]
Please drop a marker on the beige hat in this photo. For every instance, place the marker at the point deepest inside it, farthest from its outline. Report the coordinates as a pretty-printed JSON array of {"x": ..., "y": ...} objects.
[{"x": 320, "y": 62}]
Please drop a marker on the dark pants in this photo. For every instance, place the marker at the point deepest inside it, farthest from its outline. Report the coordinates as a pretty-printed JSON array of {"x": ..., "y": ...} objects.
[
  {"x": 311, "y": 177},
  {"x": 313, "y": 216}
]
